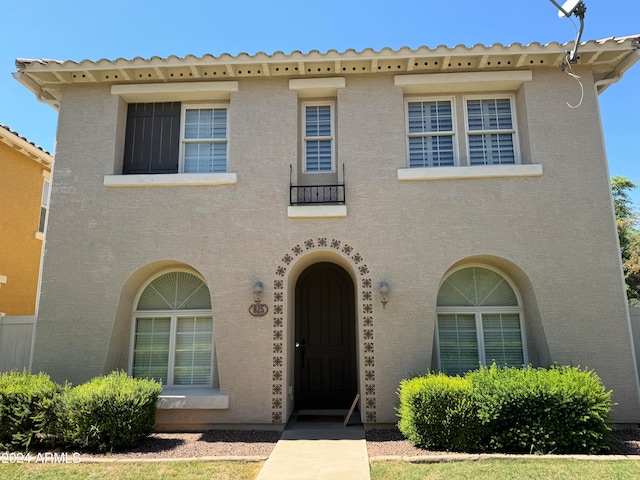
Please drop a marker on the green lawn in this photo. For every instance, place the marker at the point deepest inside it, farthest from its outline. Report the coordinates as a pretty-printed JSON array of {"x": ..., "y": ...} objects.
[
  {"x": 133, "y": 471},
  {"x": 509, "y": 469},
  {"x": 516, "y": 469}
]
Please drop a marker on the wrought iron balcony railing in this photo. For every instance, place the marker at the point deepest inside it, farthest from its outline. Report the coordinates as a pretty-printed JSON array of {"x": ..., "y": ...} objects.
[{"x": 316, "y": 194}]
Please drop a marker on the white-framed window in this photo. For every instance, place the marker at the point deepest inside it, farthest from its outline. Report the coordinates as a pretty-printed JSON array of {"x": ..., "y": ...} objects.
[
  {"x": 318, "y": 136},
  {"x": 479, "y": 321},
  {"x": 431, "y": 132},
  {"x": 204, "y": 139},
  {"x": 44, "y": 206},
  {"x": 172, "y": 335},
  {"x": 491, "y": 131}
]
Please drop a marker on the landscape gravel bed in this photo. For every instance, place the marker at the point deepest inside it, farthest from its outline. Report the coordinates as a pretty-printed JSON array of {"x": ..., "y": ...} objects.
[{"x": 258, "y": 444}]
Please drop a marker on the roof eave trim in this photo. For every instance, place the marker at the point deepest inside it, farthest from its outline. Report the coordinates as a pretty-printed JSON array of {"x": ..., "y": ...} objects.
[
  {"x": 25, "y": 147},
  {"x": 628, "y": 62},
  {"x": 41, "y": 94}
]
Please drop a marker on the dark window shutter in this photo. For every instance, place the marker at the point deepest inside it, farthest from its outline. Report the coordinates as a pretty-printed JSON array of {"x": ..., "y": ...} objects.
[{"x": 152, "y": 141}]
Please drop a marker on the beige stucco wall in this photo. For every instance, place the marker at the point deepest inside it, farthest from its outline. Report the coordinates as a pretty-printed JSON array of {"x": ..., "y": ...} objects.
[{"x": 553, "y": 235}]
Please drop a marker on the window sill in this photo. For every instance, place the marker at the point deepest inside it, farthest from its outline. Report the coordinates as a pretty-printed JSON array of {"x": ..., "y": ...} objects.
[
  {"x": 486, "y": 171},
  {"x": 171, "y": 180},
  {"x": 317, "y": 211},
  {"x": 192, "y": 399}
]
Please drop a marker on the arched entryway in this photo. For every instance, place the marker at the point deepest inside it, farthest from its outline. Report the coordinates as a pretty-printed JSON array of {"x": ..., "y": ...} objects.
[{"x": 325, "y": 338}]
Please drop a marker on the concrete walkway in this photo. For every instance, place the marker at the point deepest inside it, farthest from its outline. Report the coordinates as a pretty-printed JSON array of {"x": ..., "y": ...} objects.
[{"x": 318, "y": 448}]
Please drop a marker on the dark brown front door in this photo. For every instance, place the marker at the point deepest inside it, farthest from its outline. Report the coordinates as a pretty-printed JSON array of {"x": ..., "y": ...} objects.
[{"x": 325, "y": 362}]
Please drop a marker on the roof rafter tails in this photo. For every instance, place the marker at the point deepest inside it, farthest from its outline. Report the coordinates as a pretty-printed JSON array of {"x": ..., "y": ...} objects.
[
  {"x": 62, "y": 78},
  {"x": 627, "y": 62},
  {"x": 160, "y": 72}
]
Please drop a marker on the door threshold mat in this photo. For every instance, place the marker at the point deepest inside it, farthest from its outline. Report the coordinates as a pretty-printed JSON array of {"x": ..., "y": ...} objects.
[{"x": 320, "y": 418}]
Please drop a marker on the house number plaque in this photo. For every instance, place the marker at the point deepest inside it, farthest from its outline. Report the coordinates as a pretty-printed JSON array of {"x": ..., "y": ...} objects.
[{"x": 258, "y": 309}]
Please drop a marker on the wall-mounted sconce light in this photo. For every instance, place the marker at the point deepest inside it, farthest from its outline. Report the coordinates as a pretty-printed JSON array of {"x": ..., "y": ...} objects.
[
  {"x": 257, "y": 292},
  {"x": 257, "y": 308},
  {"x": 384, "y": 293}
]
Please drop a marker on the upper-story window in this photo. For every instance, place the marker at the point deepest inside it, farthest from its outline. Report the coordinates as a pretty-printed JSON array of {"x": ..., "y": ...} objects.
[
  {"x": 44, "y": 206},
  {"x": 430, "y": 139},
  {"x": 318, "y": 137},
  {"x": 204, "y": 139},
  {"x": 489, "y": 127},
  {"x": 490, "y": 131},
  {"x": 158, "y": 141}
]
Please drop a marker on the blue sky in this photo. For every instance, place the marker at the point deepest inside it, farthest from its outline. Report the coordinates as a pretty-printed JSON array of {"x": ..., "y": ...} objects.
[{"x": 78, "y": 30}]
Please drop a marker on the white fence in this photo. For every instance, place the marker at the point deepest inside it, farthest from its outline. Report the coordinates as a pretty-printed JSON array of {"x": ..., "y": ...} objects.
[{"x": 15, "y": 342}]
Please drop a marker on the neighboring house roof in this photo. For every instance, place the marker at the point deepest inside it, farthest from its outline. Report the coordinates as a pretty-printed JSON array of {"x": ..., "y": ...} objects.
[
  {"x": 30, "y": 149},
  {"x": 609, "y": 59}
]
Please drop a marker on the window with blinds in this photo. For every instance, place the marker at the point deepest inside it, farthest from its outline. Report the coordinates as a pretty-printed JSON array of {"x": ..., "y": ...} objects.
[
  {"x": 151, "y": 350},
  {"x": 204, "y": 139},
  {"x": 194, "y": 342},
  {"x": 479, "y": 321},
  {"x": 502, "y": 337},
  {"x": 458, "y": 342},
  {"x": 318, "y": 137},
  {"x": 173, "y": 338},
  {"x": 430, "y": 137},
  {"x": 437, "y": 138},
  {"x": 490, "y": 132},
  {"x": 169, "y": 137}
]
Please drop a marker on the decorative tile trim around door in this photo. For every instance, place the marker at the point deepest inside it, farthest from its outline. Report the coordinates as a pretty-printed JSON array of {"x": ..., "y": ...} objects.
[{"x": 364, "y": 314}]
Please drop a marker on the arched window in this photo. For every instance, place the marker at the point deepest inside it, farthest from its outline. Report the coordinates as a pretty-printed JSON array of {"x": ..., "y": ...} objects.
[
  {"x": 173, "y": 339},
  {"x": 479, "y": 321}
]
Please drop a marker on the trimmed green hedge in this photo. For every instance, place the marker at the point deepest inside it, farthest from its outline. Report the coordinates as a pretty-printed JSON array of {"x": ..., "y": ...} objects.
[
  {"x": 554, "y": 410},
  {"x": 27, "y": 409},
  {"x": 109, "y": 413},
  {"x": 438, "y": 412},
  {"x": 106, "y": 413}
]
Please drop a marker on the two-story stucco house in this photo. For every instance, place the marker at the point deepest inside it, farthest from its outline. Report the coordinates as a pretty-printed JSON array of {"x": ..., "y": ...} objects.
[
  {"x": 278, "y": 232},
  {"x": 25, "y": 175}
]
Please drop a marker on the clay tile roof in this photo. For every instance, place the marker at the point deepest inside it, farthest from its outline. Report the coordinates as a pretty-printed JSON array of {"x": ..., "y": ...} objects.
[{"x": 608, "y": 58}]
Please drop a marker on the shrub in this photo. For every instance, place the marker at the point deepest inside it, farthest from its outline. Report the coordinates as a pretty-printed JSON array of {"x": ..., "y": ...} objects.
[
  {"x": 27, "y": 409},
  {"x": 560, "y": 409},
  {"x": 109, "y": 413},
  {"x": 438, "y": 412}
]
